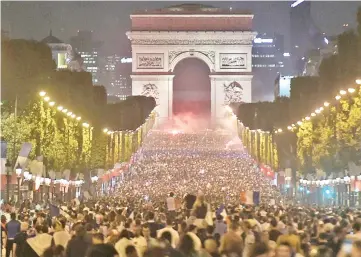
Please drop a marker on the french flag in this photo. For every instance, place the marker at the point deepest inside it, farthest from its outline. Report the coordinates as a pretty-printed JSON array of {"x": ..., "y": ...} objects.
[{"x": 250, "y": 197}]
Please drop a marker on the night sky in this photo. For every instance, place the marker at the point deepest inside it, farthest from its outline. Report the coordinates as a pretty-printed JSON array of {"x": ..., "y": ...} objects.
[{"x": 110, "y": 20}]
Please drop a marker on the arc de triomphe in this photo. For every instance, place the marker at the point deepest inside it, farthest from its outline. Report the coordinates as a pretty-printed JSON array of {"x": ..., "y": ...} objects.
[{"x": 222, "y": 39}]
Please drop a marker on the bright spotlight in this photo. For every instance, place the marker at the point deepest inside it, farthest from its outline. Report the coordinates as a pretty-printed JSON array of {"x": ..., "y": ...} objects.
[
  {"x": 52, "y": 103},
  {"x": 64, "y": 110},
  {"x": 351, "y": 90},
  {"x": 42, "y": 93},
  {"x": 78, "y": 118},
  {"x": 326, "y": 104},
  {"x": 338, "y": 97},
  {"x": 46, "y": 98},
  {"x": 313, "y": 114},
  {"x": 358, "y": 81},
  {"x": 105, "y": 130},
  {"x": 60, "y": 108},
  {"x": 299, "y": 123},
  {"x": 328, "y": 191},
  {"x": 343, "y": 92}
]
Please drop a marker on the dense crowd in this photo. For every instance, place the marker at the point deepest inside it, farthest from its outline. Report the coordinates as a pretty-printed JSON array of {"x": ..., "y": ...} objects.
[{"x": 181, "y": 199}]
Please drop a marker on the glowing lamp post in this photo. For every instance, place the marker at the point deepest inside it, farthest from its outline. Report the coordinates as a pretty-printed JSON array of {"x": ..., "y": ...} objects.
[
  {"x": 94, "y": 180},
  {"x": 18, "y": 171}
]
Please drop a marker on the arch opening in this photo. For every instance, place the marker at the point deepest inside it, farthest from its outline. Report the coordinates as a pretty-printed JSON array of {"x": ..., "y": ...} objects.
[{"x": 192, "y": 88}]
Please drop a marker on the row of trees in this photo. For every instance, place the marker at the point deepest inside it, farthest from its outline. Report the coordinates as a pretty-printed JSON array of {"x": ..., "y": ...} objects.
[
  {"x": 63, "y": 141},
  {"x": 328, "y": 141},
  {"x": 260, "y": 145}
]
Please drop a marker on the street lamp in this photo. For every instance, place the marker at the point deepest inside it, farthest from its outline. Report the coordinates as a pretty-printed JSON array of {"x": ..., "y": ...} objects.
[
  {"x": 26, "y": 174},
  {"x": 18, "y": 171},
  {"x": 94, "y": 180},
  {"x": 8, "y": 171}
]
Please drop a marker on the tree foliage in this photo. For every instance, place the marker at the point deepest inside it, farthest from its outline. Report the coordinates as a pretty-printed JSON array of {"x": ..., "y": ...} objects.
[
  {"x": 27, "y": 68},
  {"x": 328, "y": 141}
]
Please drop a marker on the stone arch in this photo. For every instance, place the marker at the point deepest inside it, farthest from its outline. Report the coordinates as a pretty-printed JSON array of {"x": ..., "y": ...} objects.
[{"x": 192, "y": 54}]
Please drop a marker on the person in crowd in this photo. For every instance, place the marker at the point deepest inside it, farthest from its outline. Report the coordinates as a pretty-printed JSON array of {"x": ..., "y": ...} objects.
[
  {"x": 20, "y": 240},
  {"x": 166, "y": 239},
  {"x": 35, "y": 246},
  {"x": 99, "y": 248},
  {"x": 187, "y": 247},
  {"x": 169, "y": 228},
  {"x": 291, "y": 238},
  {"x": 220, "y": 226},
  {"x": 260, "y": 249},
  {"x": 231, "y": 242},
  {"x": 55, "y": 251},
  {"x": 274, "y": 233},
  {"x": 171, "y": 205},
  {"x": 60, "y": 236},
  {"x": 153, "y": 225},
  {"x": 139, "y": 241},
  {"x": 131, "y": 251},
  {"x": 3, "y": 232},
  {"x": 284, "y": 249},
  {"x": 78, "y": 245},
  {"x": 13, "y": 227},
  {"x": 123, "y": 243}
]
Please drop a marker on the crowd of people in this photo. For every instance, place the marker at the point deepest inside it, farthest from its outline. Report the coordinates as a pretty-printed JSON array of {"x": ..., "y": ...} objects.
[{"x": 181, "y": 198}]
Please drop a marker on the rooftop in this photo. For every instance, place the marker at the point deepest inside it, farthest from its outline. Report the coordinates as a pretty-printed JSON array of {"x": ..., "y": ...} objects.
[
  {"x": 191, "y": 8},
  {"x": 51, "y": 39}
]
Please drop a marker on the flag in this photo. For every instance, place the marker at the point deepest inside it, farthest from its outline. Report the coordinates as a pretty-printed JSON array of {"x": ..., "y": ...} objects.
[
  {"x": 250, "y": 197},
  {"x": 220, "y": 209},
  {"x": 54, "y": 210}
]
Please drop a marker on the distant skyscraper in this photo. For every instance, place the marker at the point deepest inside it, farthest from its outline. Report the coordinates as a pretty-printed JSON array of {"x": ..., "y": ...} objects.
[
  {"x": 115, "y": 76},
  {"x": 88, "y": 49},
  {"x": 305, "y": 35},
  {"x": 124, "y": 81},
  {"x": 300, "y": 25},
  {"x": 109, "y": 73},
  {"x": 267, "y": 62}
]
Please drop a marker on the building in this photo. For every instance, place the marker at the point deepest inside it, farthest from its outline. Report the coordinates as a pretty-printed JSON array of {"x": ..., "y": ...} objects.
[
  {"x": 124, "y": 80},
  {"x": 220, "y": 40},
  {"x": 268, "y": 61},
  {"x": 62, "y": 53},
  {"x": 109, "y": 73},
  {"x": 315, "y": 56},
  {"x": 305, "y": 35},
  {"x": 115, "y": 76},
  {"x": 282, "y": 87},
  {"x": 88, "y": 49}
]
